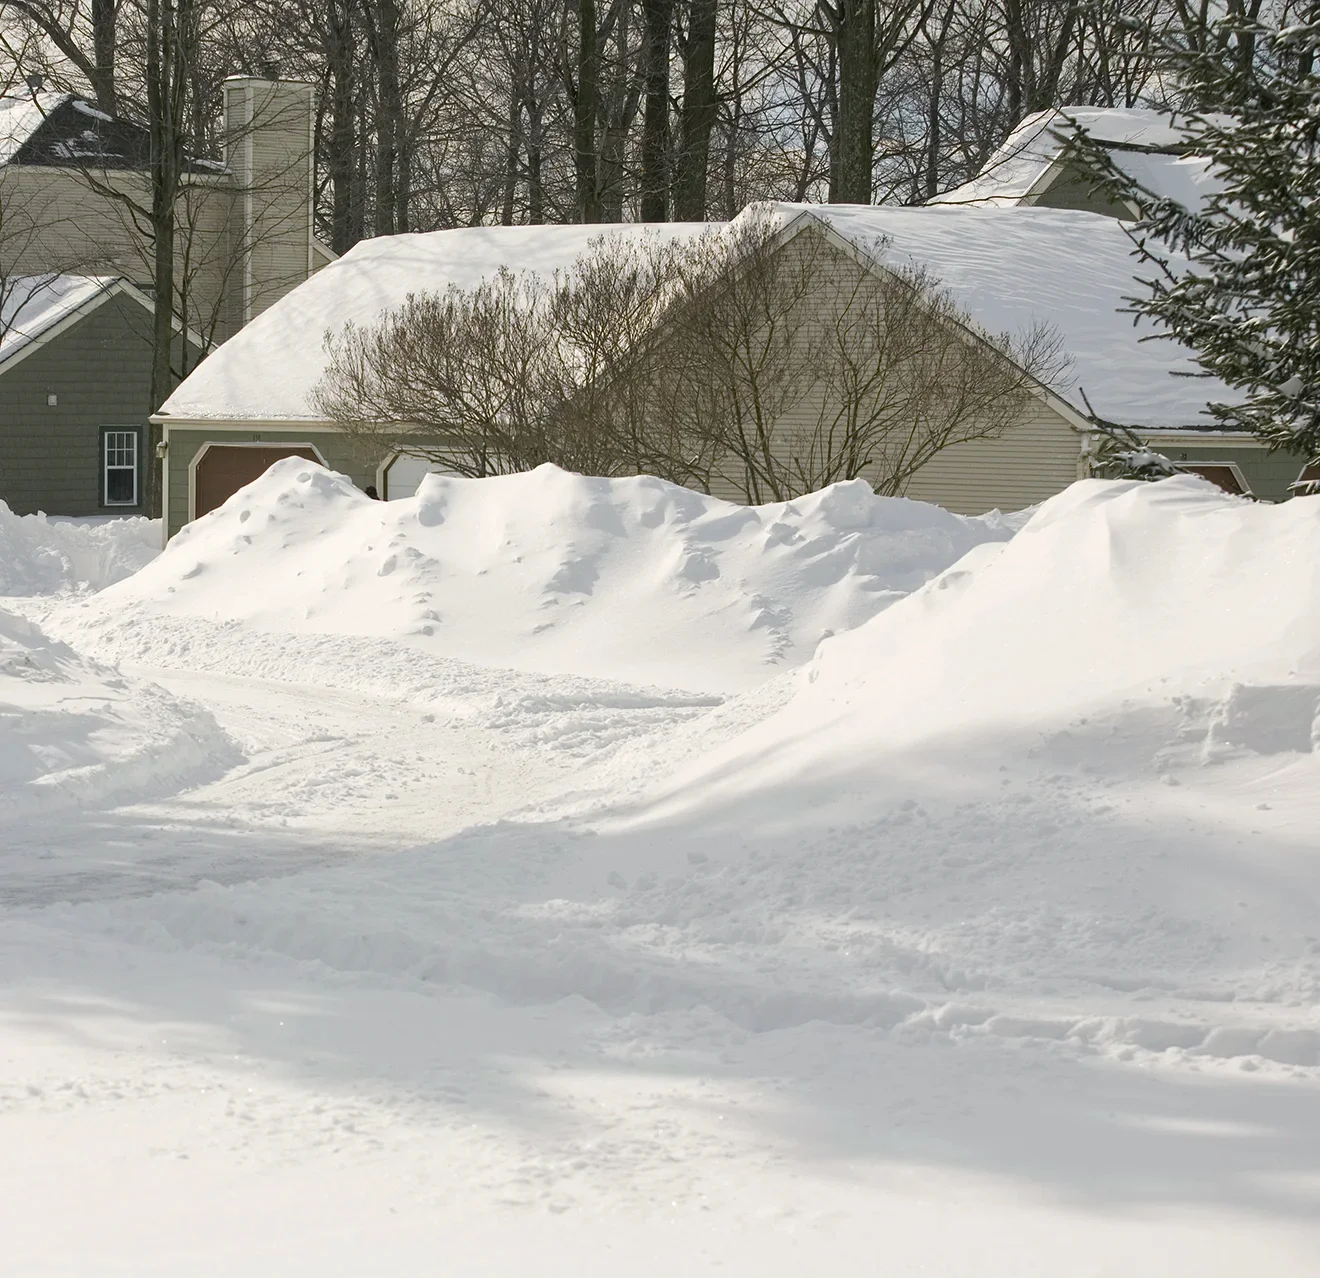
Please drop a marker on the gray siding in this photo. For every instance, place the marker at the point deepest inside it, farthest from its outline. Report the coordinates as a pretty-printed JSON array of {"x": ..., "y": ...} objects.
[
  {"x": 100, "y": 369},
  {"x": 1267, "y": 474},
  {"x": 340, "y": 453},
  {"x": 1075, "y": 188}
]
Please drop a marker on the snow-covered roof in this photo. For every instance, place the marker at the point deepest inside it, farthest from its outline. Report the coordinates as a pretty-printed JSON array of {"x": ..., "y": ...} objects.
[
  {"x": 1008, "y": 268},
  {"x": 21, "y": 116},
  {"x": 268, "y": 369},
  {"x": 1148, "y": 145},
  {"x": 1011, "y": 268},
  {"x": 30, "y": 306}
]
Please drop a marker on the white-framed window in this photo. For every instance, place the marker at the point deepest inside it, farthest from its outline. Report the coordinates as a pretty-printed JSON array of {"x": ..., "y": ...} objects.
[{"x": 120, "y": 467}]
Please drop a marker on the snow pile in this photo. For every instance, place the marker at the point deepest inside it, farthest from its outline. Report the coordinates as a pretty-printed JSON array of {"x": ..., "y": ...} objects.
[
  {"x": 72, "y": 732},
  {"x": 1078, "y": 766},
  {"x": 628, "y": 579},
  {"x": 1168, "y": 610},
  {"x": 42, "y": 556}
]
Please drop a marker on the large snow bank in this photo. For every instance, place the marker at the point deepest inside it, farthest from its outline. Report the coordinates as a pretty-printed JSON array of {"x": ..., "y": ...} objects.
[
  {"x": 1115, "y": 597},
  {"x": 73, "y": 732},
  {"x": 41, "y": 556},
  {"x": 630, "y": 579}
]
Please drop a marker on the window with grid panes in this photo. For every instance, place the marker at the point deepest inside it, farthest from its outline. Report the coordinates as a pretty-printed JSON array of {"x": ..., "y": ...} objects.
[{"x": 121, "y": 467}]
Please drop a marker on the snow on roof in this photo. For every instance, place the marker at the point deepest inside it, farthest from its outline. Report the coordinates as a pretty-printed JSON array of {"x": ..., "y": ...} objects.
[
  {"x": 31, "y": 305},
  {"x": 1014, "y": 171},
  {"x": 21, "y": 117},
  {"x": 1009, "y": 268},
  {"x": 269, "y": 368}
]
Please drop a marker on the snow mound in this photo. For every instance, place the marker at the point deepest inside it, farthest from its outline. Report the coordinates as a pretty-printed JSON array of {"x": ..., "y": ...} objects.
[
  {"x": 1065, "y": 791},
  {"x": 1168, "y": 604},
  {"x": 549, "y": 572},
  {"x": 72, "y": 732},
  {"x": 44, "y": 556}
]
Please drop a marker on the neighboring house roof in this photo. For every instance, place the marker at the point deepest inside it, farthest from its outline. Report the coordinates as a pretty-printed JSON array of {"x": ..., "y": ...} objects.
[
  {"x": 33, "y": 310},
  {"x": 1148, "y": 145},
  {"x": 1007, "y": 268},
  {"x": 61, "y": 129}
]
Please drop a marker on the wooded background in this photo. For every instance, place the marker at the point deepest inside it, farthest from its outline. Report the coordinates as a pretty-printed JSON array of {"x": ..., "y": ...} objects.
[{"x": 442, "y": 113}]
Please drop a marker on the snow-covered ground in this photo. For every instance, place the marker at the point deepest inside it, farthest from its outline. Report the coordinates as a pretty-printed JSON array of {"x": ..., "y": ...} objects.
[{"x": 980, "y": 939}]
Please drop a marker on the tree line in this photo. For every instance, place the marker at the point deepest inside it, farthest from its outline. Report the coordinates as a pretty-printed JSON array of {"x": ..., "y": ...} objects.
[{"x": 444, "y": 113}]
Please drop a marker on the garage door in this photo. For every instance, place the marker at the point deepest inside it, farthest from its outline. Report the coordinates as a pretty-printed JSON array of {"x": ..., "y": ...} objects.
[{"x": 224, "y": 468}]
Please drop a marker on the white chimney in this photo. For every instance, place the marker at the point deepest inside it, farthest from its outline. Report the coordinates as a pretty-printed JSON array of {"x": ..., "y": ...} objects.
[{"x": 268, "y": 149}]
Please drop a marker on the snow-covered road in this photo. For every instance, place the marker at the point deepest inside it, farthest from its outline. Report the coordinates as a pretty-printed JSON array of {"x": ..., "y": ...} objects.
[
  {"x": 413, "y": 964},
  {"x": 237, "y": 1016}
]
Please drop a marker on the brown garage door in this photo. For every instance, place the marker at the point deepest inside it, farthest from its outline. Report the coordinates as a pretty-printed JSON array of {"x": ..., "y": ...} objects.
[{"x": 224, "y": 468}]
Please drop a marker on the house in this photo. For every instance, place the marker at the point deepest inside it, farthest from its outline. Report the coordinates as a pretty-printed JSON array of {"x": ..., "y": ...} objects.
[
  {"x": 76, "y": 279},
  {"x": 1006, "y": 267},
  {"x": 1036, "y": 167}
]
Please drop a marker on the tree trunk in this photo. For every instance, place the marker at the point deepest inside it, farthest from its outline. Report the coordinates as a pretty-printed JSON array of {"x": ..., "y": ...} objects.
[
  {"x": 389, "y": 111},
  {"x": 697, "y": 116},
  {"x": 585, "y": 107},
  {"x": 657, "y": 16},
  {"x": 341, "y": 136},
  {"x": 858, "y": 83},
  {"x": 511, "y": 160},
  {"x": 105, "y": 44}
]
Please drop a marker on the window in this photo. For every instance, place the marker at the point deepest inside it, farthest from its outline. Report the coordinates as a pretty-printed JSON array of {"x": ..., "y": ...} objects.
[
  {"x": 1225, "y": 475},
  {"x": 120, "y": 450}
]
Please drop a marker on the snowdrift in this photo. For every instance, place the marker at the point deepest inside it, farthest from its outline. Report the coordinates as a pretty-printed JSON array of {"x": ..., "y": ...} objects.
[
  {"x": 44, "y": 556},
  {"x": 1066, "y": 791},
  {"x": 629, "y": 579},
  {"x": 75, "y": 732},
  {"x": 1167, "y": 604}
]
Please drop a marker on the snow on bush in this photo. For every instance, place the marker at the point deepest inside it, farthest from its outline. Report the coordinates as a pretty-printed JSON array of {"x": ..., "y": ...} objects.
[
  {"x": 72, "y": 732},
  {"x": 44, "y": 556},
  {"x": 630, "y": 579}
]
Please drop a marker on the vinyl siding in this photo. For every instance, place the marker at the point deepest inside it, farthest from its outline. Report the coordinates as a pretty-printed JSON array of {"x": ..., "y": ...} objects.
[
  {"x": 56, "y": 222},
  {"x": 1267, "y": 474},
  {"x": 269, "y": 144},
  {"x": 1074, "y": 188},
  {"x": 100, "y": 368},
  {"x": 1033, "y": 459}
]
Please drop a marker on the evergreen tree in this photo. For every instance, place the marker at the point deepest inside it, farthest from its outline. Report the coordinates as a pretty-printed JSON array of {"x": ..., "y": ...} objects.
[{"x": 1249, "y": 306}]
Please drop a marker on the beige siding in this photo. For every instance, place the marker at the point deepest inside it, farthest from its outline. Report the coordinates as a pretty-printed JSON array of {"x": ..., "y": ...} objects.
[
  {"x": 63, "y": 220},
  {"x": 269, "y": 148},
  {"x": 1026, "y": 464},
  {"x": 1033, "y": 459}
]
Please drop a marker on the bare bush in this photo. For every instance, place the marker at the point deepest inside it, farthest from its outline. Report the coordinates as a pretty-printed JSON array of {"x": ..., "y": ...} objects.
[{"x": 750, "y": 360}]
